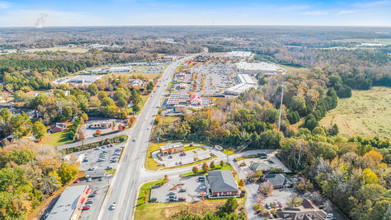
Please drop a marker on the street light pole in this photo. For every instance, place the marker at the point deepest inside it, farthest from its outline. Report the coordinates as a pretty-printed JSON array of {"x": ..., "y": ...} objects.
[{"x": 282, "y": 97}]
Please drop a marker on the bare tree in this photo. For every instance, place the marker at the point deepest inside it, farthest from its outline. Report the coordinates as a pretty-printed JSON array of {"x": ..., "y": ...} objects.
[{"x": 266, "y": 188}]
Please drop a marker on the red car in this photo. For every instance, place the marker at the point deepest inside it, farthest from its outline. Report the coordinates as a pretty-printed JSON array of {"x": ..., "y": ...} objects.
[
  {"x": 76, "y": 181},
  {"x": 182, "y": 199},
  {"x": 279, "y": 204},
  {"x": 87, "y": 207}
]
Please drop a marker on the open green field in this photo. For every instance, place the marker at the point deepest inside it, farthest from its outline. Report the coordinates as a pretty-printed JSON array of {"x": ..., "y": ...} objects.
[
  {"x": 158, "y": 211},
  {"x": 57, "y": 139},
  {"x": 366, "y": 113}
]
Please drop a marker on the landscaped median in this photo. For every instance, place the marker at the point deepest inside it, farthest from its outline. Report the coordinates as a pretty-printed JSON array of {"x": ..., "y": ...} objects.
[{"x": 152, "y": 163}]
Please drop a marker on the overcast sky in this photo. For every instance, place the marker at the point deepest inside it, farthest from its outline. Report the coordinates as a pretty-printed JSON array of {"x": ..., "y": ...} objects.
[{"x": 17, "y": 13}]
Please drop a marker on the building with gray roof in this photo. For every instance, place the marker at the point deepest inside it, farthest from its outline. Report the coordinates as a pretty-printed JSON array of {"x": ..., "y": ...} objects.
[
  {"x": 70, "y": 203},
  {"x": 221, "y": 183}
]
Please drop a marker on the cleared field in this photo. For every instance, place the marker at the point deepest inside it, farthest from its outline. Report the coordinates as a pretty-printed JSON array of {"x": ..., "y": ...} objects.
[
  {"x": 160, "y": 211},
  {"x": 57, "y": 139},
  {"x": 366, "y": 113}
]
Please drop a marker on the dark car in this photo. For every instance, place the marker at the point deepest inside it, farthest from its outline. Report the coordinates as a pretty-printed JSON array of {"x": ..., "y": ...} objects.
[
  {"x": 89, "y": 202},
  {"x": 267, "y": 206},
  {"x": 92, "y": 195},
  {"x": 182, "y": 199},
  {"x": 100, "y": 179},
  {"x": 182, "y": 190},
  {"x": 152, "y": 200},
  {"x": 201, "y": 179}
]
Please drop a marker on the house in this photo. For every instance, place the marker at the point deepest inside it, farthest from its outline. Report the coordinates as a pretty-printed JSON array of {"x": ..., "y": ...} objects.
[
  {"x": 8, "y": 139},
  {"x": 59, "y": 127},
  {"x": 277, "y": 180},
  {"x": 262, "y": 166},
  {"x": 137, "y": 82},
  {"x": 221, "y": 183},
  {"x": 172, "y": 148},
  {"x": 307, "y": 211},
  {"x": 70, "y": 203}
]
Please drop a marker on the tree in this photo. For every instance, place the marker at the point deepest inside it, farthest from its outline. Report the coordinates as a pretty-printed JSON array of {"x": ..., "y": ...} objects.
[
  {"x": 221, "y": 163},
  {"x": 81, "y": 136},
  {"x": 241, "y": 183},
  {"x": 120, "y": 127},
  {"x": 212, "y": 165},
  {"x": 102, "y": 95},
  {"x": 122, "y": 103},
  {"x": 68, "y": 112},
  {"x": 39, "y": 130},
  {"x": 294, "y": 201},
  {"x": 266, "y": 188},
  {"x": 276, "y": 171},
  {"x": 84, "y": 116},
  {"x": 93, "y": 89},
  {"x": 195, "y": 170},
  {"x": 107, "y": 102},
  {"x": 166, "y": 179},
  {"x": 136, "y": 108},
  {"x": 205, "y": 167},
  {"x": 67, "y": 172},
  {"x": 98, "y": 132},
  {"x": 231, "y": 205}
]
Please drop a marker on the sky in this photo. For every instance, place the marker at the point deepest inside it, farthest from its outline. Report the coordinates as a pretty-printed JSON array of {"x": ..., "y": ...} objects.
[{"x": 30, "y": 13}]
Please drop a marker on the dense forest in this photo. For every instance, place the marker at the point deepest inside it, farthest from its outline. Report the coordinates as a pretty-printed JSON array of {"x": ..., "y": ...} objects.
[{"x": 29, "y": 173}]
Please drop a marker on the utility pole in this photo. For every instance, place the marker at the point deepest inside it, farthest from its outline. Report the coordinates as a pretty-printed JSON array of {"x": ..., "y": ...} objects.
[{"x": 282, "y": 97}]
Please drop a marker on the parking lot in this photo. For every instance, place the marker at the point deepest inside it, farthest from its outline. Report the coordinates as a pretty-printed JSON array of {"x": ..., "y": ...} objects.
[
  {"x": 189, "y": 188},
  {"x": 93, "y": 159},
  {"x": 217, "y": 74},
  {"x": 97, "y": 195},
  {"x": 177, "y": 159}
]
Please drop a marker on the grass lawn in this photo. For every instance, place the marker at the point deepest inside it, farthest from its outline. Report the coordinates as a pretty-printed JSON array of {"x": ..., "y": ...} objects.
[
  {"x": 366, "y": 113},
  {"x": 169, "y": 119},
  {"x": 146, "y": 187},
  {"x": 159, "y": 211},
  {"x": 57, "y": 139},
  {"x": 228, "y": 152},
  {"x": 202, "y": 172}
]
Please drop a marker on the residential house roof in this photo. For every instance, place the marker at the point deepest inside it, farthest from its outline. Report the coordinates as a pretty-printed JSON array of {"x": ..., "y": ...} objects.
[
  {"x": 221, "y": 181},
  {"x": 276, "y": 179},
  {"x": 259, "y": 166}
]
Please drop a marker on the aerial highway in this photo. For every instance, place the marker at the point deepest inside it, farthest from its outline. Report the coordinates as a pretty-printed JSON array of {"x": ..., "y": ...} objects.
[{"x": 126, "y": 182}]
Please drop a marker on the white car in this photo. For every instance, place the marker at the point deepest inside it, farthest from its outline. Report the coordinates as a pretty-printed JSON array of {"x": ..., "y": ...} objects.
[{"x": 112, "y": 207}]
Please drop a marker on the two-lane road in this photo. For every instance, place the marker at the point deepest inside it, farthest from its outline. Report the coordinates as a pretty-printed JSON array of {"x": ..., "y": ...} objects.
[{"x": 123, "y": 190}]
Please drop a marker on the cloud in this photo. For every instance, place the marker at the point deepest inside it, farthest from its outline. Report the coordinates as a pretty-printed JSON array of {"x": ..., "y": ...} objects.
[
  {"x": 316, "y": 13},
  {"x": 347, "y": 12},
  {"x": 4, "y": 5}
]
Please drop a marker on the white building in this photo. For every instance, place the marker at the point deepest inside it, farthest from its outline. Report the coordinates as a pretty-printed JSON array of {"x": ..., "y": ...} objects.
[
  {"x": 262, "y": 67},
  {"x": 237, "y": 89},
  {"x": 239, "y": 54},
  {"x": 244, "y": 78},
  {"x": 121, "y": 69},
  {"x": 79, "y": 80}
]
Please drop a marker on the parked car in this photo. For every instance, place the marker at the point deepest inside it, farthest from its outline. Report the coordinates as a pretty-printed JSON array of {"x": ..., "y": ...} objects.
[
  {"x": 76, "y": 181},
  {"x": 182, "y": 199},
  {"x": 134, "y": 139},
  {"x": 109, "y": 168},
  {"x": 87, "y": 207},
  {"x": 267, "y": 206},
  {"x": 89, "y": 202},
  {"x": 201, "y": 178},
  {"x": 172, "y": 199},
  {"x": 101, "y": 160},
  {"x": 112, "y": 207},
  {"x": 170, "y": 157},
  {"x": 202, "y": 187},
  {"x": 85, "y": 160},
  {"x": 100, "y": 179},
  {"x": 184, "y": 153},
  {"x": 279, "y": 204},
  {"x": 182, "y": 190},
  {"x": 152, "y": 200},
  {"x": 89, "y": 179},
  {"x": 154, "y": 187},
  {"x": 92, "y": 195}
]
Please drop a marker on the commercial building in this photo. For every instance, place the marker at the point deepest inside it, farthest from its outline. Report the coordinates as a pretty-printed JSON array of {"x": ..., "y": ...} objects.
[
  {"x": 180, "y": 109},
  {"x": 100, "y": 124},
  {"x": 244, "y": 78},
  {"x": 262, "y": 67},
  {"x": 307, "y": 211},
  {"x": 239, "y": 54},
  {"x": 195, "y": 99},
  {"x": 262, "y": 166},
  {"x": 177, "y": 99},
  {"x": 79, "y": 80},
  {"x": 172, "y": 148},
  {"x": 277, "y": 180},
  {"x": 70, "y": 203},
  {"x": 221, "y": 183},
  {"x": 237, "y": 89},
  {"x": 121, "y": 69}
]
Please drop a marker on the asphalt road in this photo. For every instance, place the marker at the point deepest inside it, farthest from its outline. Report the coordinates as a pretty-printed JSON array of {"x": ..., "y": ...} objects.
[{"x": 123, "y": 190}]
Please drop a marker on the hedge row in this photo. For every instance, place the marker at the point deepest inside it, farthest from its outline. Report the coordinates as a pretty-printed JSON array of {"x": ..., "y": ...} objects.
[
  {"x": 72, "y": 133},
  {"x": 118, "y": 139}
]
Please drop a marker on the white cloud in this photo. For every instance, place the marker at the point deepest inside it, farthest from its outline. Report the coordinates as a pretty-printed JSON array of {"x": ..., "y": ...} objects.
[
  {"x": 4, "y": 5},
  {"x": 347, "y": 12},
  {"x": 316, "y": 13}
]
